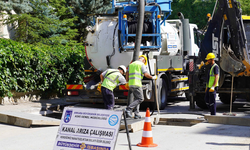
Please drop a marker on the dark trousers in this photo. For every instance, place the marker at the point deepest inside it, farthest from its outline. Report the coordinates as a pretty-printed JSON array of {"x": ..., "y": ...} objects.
[
  {"x": 210, "y": 100},
  {"x": 108, "y": 98}
]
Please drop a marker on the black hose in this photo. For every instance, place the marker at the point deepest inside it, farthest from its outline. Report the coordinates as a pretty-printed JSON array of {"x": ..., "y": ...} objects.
[
  {"x": 125, "y": 121},
  {"x": 155, "y": 4},
  {"x": 139, "y": 29},
  {"x": 108, "y": 57},
  {"x": 160, "y": 12},
  {"x": 119, "y": 41},
  {"x": 153, "y": 86},
  {"x": 114, "y": 41}
]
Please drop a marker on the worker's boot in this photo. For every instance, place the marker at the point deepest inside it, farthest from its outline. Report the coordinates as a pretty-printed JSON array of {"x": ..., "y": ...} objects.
[
  {"x": 137, "y": 117},
  {"x": 128, "y": 114}
]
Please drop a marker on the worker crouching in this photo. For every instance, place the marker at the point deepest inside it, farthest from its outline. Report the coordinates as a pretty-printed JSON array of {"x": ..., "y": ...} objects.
[
  {"x": 212, "y": 83},
  {"x": 110, "y": 79}
]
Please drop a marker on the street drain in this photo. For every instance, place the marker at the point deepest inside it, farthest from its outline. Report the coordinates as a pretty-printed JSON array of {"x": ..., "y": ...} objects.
[{"x": 179, "y": 122}]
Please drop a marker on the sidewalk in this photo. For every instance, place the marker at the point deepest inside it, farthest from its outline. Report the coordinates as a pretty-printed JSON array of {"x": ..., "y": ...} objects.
[{"x": 206, "y": 136}]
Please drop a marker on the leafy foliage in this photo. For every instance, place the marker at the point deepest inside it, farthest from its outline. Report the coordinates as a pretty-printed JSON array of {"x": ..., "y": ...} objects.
[
  {"x": 26, "y": 67},
  {"x": 19, "y": 6},
  {"x": 68, "y": 9},
  {"x": 245, "y": 5},
  {"x": 48, "y": 23},
  {"x": 83, "y": 8},
  {"x": 200, "y": 9}
]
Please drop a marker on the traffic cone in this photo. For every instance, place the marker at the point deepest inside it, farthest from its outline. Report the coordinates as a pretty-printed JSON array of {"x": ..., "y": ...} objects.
[{"x": 147, "y": 138}]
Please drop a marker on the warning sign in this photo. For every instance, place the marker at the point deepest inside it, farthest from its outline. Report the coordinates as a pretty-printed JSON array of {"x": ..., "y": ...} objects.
[{"x": 85, "y": 128}]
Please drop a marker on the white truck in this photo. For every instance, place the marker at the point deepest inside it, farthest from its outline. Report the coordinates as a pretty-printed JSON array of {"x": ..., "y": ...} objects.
[{"x": 111, "y": 42}]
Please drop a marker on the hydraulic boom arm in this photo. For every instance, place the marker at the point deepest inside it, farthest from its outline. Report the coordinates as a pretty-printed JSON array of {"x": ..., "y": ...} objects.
[{"x": 226, "y": 38}]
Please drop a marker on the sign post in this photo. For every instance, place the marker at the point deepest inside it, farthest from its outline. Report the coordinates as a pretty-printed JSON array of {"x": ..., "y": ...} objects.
[{"x": 85, "y": 128}]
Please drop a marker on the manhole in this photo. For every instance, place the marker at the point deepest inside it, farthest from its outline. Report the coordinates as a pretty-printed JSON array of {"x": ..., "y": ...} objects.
[
  {"x": 56, "y": 115},
  {"x": 179, "y": 121}
]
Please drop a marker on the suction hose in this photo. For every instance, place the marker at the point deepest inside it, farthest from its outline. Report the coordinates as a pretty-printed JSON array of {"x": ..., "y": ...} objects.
[
  {"x": 153, "y": 87},
  {"x": 139, "y": 29}
]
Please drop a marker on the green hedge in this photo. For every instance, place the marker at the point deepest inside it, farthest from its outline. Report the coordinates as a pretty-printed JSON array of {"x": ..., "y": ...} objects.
[{"x": 25, "y": 67}]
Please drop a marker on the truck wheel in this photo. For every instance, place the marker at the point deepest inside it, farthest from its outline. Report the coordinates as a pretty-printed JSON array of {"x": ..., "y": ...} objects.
[
  {"x": 199, "y": 100},
  {"x": 162, "y": 94},
  {"x": 225, "y": 98},
  {"x": 162, "y": 97}
]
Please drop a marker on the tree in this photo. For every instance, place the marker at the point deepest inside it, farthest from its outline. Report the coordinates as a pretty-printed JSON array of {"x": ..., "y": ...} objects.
[
  {"x": 245, "y": 6},
  {"x": 83, "y": 8},
  {"x": 48, "y": 23},
  {"x": 19, "y": 6},
  {"x": 200, "y": 9}
]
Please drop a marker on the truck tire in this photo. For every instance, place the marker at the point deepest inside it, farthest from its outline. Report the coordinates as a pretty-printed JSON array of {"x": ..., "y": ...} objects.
[
  {"x": 225, "y": 98},
  {"x": 162, "y": 97},
  {"x": 162, "y": 94},
  {"x": 199, "y": 100}
]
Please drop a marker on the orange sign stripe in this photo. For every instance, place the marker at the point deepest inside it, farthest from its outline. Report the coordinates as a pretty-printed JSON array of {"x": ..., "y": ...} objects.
[
  {"x": 74, "y": 86},
  {"x": 122, "y": 87},
  {"x": 69, "y": 86},
  {"x": 79, "y": 86}
]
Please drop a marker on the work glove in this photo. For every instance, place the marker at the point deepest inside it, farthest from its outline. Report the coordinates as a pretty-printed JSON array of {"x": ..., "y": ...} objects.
[
  {"x": 202, "y": 64},
  {"x": 211, "y": 89},
  {"x": 99, "y": 87},
  {"x": 154, "y": 77},
  {"x": 127, "y": 86}
]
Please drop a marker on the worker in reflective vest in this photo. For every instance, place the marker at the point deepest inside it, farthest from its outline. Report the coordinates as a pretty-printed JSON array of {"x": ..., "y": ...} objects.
[
  {"x": 110, "y": 79},
  {"x": 134, "y": 75},
  {"x": 212, "y": 83}
]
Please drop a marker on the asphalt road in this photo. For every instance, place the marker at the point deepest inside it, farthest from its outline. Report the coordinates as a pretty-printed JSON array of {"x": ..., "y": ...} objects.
[{"x": 204, "y": 135}]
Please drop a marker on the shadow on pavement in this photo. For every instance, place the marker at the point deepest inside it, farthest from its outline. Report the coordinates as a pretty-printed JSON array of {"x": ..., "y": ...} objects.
[{"x": 232, "y": 144}]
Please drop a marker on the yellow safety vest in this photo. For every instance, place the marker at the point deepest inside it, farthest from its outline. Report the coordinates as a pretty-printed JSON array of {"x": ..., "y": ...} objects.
[
  {"x": 212, "y": 77},
  {"x": 135, "y": 74},
  {"x": 111, "y": 81}
]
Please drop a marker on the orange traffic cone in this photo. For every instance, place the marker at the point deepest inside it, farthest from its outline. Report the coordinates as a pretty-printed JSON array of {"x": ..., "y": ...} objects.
[{"x": 147, "y": 138}]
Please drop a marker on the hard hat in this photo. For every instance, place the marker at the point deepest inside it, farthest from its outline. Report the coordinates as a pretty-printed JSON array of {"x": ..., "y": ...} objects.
[
  {"x": 208, "y": 15},
  {"x": 146, "y": 60},
  {"x": 210, "y": 56},
  {"x": 123, "y": 68}
]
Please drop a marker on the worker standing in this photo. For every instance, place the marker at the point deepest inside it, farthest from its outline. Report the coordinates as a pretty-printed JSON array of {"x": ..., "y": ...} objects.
[
  {"x": 110, "y": 79},
  {"x": 212, "y": 83},
  {"x": 134, "y": 75}
]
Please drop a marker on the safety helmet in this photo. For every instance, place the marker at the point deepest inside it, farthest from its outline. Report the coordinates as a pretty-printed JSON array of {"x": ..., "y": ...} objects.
[
  {"x": 210, "y": 56},
  {"x": 146, "y": 59},
  {"x": 208, "y": 15},
  {"x": 123, "y": 68}
]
